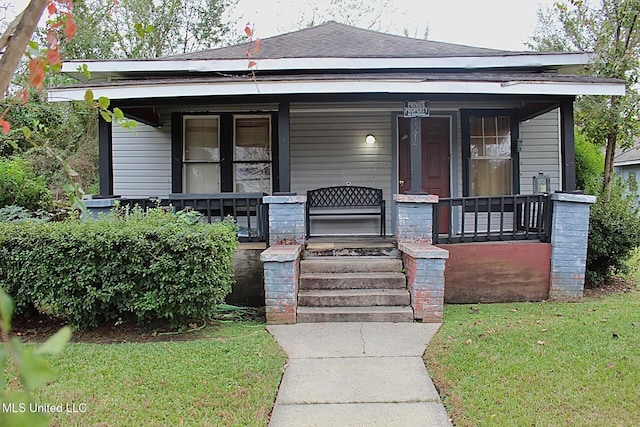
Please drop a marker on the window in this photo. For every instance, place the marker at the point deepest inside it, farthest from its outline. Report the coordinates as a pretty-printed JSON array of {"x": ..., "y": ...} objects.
[
  {"x": 252, "y": 154},
  {"x": 632, "y": 182},
  {"x": 201, "y": 157},
  {"x": 488, "y": 144}
]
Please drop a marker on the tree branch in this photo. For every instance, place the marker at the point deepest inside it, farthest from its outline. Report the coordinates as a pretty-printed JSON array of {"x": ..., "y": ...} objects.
[{"x": 18, "y": 42}]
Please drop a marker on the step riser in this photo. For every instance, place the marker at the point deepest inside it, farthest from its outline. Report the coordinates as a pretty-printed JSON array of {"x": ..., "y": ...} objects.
[
  {"x": 353, "y": 252},
  {"x": 353, "y": 301},
  {"x": 351, "y": 266},
  {"x": 353, "y": 283},
  {"x": 354, "y": 317}
]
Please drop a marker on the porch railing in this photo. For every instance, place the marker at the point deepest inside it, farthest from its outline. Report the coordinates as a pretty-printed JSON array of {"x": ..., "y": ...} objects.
[
  {"x": 495, "y": 218},
  {"x": 247, "y": 209}
]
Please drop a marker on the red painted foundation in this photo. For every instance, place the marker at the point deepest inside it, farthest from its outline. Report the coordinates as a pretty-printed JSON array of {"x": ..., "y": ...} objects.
[{"x": 497, "y": 272}]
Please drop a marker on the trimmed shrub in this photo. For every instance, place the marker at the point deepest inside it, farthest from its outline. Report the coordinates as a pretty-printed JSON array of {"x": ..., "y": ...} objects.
[
  {"x": 148, "y": 266},
  {"x": 20, "y": 186},
  {"x": 614, "y": 232}
]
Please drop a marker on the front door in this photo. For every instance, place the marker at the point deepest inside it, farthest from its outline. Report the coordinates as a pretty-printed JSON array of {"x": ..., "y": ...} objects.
[{"x": 435, "y": 159}]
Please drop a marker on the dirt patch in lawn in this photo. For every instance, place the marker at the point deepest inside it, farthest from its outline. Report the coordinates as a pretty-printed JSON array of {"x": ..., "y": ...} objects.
[
  {"x": 613, "y": 286},
  {"x": 38, "y": 329}
]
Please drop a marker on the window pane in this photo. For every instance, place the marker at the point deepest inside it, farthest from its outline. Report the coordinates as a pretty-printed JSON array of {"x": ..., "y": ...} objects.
[
  {"x": 475, "y": 126},
  {"x": 504, "y": 128},
  {"x": 201, "y": 139},
  {"x": 498, "y": 148},
  {"x": 202, "y": 178},
  {"x": 253, "y": 177},
  {"x": 490, "y": 177},
  {"x": 489, "y": 126},
  {"x": 252, "y": 139},
  {"x": 476, "y": 147}
]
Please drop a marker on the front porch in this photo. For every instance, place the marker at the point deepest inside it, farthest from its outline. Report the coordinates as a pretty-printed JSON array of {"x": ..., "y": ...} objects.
[{"x": 519, "y": 268}]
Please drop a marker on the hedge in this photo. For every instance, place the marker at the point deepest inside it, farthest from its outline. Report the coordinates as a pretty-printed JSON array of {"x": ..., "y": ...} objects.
[{"x": 149, "y": 266}]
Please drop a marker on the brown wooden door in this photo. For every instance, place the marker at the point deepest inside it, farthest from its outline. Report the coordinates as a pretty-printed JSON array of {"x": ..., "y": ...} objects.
[{"x": 435, "y": 160}]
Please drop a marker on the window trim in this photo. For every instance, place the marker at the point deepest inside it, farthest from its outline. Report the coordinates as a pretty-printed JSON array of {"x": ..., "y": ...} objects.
[
  {"x": 226, "y": 135},
  {"x": 465, "y": 115}
]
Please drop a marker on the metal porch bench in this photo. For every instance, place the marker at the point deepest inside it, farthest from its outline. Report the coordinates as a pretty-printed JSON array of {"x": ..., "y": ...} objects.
[{"x": 346, "y": 200}]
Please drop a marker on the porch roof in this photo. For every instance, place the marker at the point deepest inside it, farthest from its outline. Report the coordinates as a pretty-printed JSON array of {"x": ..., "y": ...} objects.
[{"x": 505, "y": 83}]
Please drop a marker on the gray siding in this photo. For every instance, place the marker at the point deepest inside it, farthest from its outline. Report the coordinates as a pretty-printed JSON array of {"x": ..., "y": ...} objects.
[
  {"x": 625, "y": 173},
  {"x": 142, "y": 161},
  {"x": 540, "y": 150},
  {"x": 328, "y": 149}
]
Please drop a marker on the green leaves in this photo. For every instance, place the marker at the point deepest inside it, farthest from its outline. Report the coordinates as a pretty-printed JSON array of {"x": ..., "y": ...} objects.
[
  {"x": 143, "y": 30},
  {"x": 84, "y": 69},
  {"x": 151, "y": 265},
  {"x": 56, "y": 343},
  {"x": 6, "y": 310},
  {"x": 33, "y": 369},
  {"x": 88, "y": 97}
]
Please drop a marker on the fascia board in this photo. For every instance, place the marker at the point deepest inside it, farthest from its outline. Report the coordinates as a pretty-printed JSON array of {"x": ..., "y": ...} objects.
[
  {"x": 124, "y": 67},
  {"x": 249, "y": 87}
]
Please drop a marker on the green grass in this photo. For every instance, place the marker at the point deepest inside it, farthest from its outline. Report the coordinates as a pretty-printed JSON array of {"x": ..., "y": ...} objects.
[
  {"x": 228, "y": 379},
  {"x": 546, "y": 364}
]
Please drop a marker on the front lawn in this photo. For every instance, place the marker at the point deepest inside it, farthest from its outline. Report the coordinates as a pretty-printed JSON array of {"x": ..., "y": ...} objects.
[
  {"x": 228, "y": 378},
  {"x": 573, "y": 364}
]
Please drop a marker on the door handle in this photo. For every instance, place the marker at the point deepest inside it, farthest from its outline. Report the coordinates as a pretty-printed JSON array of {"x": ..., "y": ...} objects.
[{"x": 401, "y": 181}]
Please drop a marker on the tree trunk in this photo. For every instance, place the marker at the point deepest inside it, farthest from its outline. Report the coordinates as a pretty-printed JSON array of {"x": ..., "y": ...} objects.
[
  {"x": 612, "y": 140},
  {"x": 18, "y": 43}
]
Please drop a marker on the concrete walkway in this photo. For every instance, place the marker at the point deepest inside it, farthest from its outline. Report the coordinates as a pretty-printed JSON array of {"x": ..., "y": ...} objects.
[{"x": 356, "y": 374}]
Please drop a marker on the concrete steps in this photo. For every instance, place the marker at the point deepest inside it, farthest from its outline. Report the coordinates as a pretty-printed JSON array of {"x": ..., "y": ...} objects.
[
  {"x": 353, "y": 297},
  {"x": 352, "y": 283},
  {"x": 379, "y": 280},
  {"x": 355, "y": 314}
]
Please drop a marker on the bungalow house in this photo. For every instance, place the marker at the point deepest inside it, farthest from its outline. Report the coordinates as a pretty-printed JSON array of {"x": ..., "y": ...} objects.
[{"x": 452, "y": 135}]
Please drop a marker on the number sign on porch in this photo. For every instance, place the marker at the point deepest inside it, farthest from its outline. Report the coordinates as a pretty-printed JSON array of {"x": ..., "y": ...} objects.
[{"x": 416, "y": 109}]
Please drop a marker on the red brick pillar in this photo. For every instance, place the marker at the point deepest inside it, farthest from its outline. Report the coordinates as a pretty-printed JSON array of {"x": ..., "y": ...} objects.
[
  {"x": 281, "y": 275},
  {"x": 424, "y": 265}
]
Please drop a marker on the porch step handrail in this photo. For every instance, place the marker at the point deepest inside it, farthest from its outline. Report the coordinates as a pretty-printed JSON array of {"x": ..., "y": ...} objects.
[{"x": 493, "y": 218}]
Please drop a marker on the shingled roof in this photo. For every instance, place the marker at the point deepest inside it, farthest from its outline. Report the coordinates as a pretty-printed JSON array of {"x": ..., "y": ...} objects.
[
  {"x": 338, "y": 58},
  {"x": 334, "y": 40},
  {"x": 629, "y": 156}
]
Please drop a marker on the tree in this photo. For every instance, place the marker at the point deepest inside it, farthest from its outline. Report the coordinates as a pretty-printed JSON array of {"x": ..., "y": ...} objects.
[
  {"x": 147, "y": 28},
  {"x": 611, "y": 31},
  {"x": 360, "y": 13}
]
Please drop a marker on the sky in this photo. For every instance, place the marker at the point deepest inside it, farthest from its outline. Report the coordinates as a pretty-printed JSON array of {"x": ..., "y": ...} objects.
[{"x": 498, "y": 24}]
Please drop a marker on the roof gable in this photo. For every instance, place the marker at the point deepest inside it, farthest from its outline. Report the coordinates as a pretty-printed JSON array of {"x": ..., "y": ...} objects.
[{"x": 334, "y": 40}]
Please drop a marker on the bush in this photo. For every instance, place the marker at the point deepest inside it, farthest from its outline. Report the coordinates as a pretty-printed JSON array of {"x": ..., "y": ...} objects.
[
  {"x": 149, "y": 266},
  {"x": 589, "y": 165},
  {"x": 20, "y": 186},
  {"x": 614, "y": 232}
]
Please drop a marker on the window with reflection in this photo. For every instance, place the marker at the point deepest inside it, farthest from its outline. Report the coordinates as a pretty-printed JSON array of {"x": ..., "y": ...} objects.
[
  {"x": 201, "y": 157},
  {"x": 488, "y": 142},
  {"x": 252, "y": 154}
]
